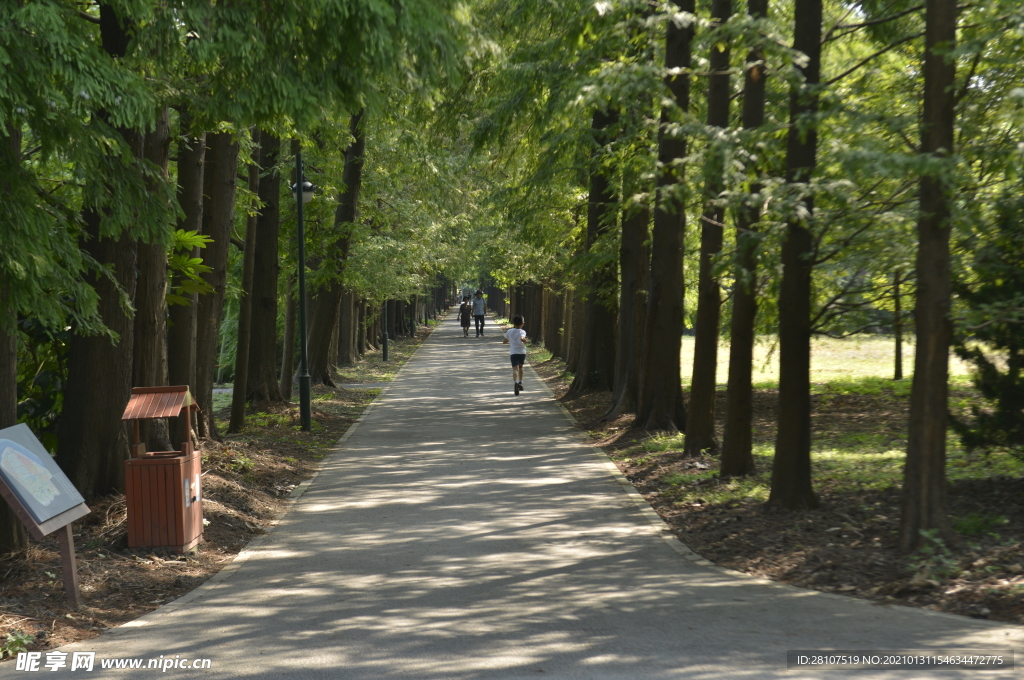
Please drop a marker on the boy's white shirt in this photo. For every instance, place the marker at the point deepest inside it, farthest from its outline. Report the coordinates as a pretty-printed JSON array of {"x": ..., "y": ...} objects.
[{"x": 515, "y": 340}]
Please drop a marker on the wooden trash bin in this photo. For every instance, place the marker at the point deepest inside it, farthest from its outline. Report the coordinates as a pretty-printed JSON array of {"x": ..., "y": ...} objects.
[{"x": 163, "y": 488}]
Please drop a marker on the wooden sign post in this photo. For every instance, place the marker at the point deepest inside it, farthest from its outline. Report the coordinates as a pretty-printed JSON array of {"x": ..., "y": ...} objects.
[{"x": 41, "y": 496}]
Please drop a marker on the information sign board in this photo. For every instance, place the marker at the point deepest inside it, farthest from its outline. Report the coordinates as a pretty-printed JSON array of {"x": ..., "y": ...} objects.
[
  {"x": 40, "y": 489},
  {"x": 32, "y": 474},
  {"x": 41, "y": 495}
]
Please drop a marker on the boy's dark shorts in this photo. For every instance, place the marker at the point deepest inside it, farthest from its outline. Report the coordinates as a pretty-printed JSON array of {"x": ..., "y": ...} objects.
[{"x": 518, "y": 359}]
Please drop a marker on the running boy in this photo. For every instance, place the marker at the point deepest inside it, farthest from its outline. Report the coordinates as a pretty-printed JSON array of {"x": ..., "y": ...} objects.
[{"x": 515, "y": 338}]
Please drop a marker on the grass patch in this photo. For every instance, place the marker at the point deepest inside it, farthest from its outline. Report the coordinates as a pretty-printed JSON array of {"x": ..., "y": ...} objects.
[
  {"x": 978, "y": 524},
  {"x": 833, "y": 361},
  {"x": 661, "y": 443},
  {"x": 221, "y": 400},
  {"x": 539, "y": 354}
]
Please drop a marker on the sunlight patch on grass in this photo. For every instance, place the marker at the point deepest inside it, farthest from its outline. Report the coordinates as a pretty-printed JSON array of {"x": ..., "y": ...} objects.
[
  {"x": 660, "y": 443},
  {"x": 857, "y": 470},
  {"x": 849, "y": 359},
  {"x": 837, "y": 469},
  {"x": 538, "y": 354}
]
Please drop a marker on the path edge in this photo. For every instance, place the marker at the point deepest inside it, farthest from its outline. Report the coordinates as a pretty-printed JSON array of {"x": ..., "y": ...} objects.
[{"x": 668, "y": 535}]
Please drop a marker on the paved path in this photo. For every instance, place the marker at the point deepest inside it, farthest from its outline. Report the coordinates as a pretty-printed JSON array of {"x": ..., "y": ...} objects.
[{"x": 464, "y": 533}]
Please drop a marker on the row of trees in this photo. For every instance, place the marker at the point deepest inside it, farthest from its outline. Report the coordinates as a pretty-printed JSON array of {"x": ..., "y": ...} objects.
[
  {"x": 832, "y": 159},
  {"x": 141, "y": 143}
]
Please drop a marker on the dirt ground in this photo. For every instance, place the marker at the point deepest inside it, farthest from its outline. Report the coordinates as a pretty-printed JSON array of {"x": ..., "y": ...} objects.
[
  {"x": 247, "y": 479},
  {"x": 849, "y": 545}
]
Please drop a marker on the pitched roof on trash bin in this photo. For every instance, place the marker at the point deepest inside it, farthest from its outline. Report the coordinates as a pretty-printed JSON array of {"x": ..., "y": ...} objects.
[{"x": 158, "y": 402}]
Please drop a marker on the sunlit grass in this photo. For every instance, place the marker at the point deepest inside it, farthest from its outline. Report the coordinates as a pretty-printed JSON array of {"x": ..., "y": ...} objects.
[
  {"x": 841, "y": 470},
  {"x": 832, "y": 361}
]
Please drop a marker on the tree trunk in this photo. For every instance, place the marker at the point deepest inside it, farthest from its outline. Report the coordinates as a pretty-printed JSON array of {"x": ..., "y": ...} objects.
[
  {"x": 634, "y": 268},
  {"x": 326, "y": 303},
  {"x": 660, "y": 399},
  {"x": 218, "y": 218},
  {"x": 241, "y": 378},
  {"x": 332, "y": 348},
  {"x": 392, "y": 327},
  {"x": 369, "y": 324},
  {"x": 595, "y": 370},
  {"x": 791, "y": 470},
  {"x": 93, "y": 444},
  {"x": 13, "y": 535},
  {"x": 537, "y": 311},
  {"x": 737, "y": 453},
  {"x": 360, "y": 329},
  {"x": 570, "y": 314},
  {"x": 552, "y": 321},
  {"x": 288, "y": 346},
  {"x": 897, "y": 325},
  {"x": 181, "y": 331},
  {"x": 263, "y": 379},
  {"x": 347, "y": 346},
  {"x": 924, "y": 486},
  {"x": 150, "y": 353},
  {"x": 700, "y": 412}
]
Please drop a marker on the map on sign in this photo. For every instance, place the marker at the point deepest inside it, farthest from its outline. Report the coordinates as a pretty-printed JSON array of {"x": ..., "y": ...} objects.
[{"x": 32, "y": 474}]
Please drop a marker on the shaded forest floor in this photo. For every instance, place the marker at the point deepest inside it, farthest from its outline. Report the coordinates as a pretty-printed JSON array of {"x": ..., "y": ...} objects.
[
  {"x": 247, "y": 479},
  {"x": 849, "y": 545}
]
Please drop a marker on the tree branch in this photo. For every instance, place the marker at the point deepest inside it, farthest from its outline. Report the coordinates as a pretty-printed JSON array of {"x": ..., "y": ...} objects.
[
  {"x": 844, "y": 291},
  {"x": 855, "y": 27},
  {"x": 879, "y": 53}
]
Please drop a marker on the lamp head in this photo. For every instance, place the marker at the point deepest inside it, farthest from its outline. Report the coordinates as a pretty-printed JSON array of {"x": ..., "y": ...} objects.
[{"x": 307, "y": 191}]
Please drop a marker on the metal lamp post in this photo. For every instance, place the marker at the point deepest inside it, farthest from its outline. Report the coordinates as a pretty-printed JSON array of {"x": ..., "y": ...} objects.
[{"x": 301, "y": 198}]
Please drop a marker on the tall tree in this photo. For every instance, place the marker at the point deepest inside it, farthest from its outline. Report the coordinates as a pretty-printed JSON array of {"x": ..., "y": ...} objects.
[
  {"x": 181, "y": 332},
  {"x": 594, "y": 371},
  {"x": 262, "y": 384},
  {"x": 660, "y": 400},
  {"x": 327, "y": 302},
  {"x": 924, "y": 486},
  {"x": 93, "y": 445},
  {"x": 149, "y": 354},
  {"x": 218, "y": 218},
  {"x": 791, "y": 469},
  {"x": 288, "y": 344},
  {"x": 92, "y": 440},
  {"x": 12, "y": 534},
  {"x": 634, "y": 274},
  {"x": 241, "y": 377},
  {"x": 700, "y": 416},
  {"x": 737, "y": 454}
]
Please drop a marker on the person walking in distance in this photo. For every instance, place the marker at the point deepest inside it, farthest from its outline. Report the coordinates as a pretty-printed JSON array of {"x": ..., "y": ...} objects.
[
  {"x": 465, "y": 313},
  {"x": 515, "y": 338},
  {"x": 479, "y": 310}
]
